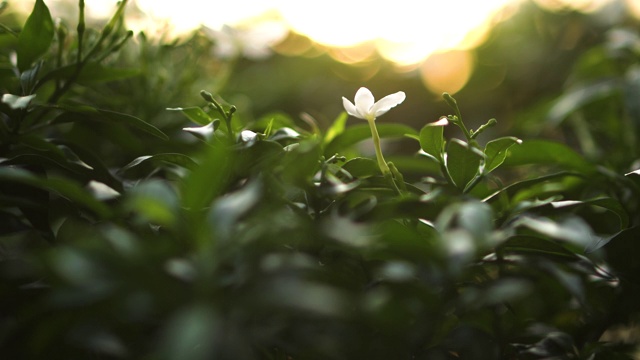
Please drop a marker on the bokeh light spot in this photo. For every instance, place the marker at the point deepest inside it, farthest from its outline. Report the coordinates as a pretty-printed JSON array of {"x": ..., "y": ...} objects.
[{"x": 447, "y": 72}]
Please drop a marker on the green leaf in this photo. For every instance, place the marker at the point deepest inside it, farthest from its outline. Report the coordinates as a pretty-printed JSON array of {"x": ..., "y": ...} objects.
[
  {"x": 524, "y": 244},
  {"x": 357, "y": 133},
  {"x": 135, "y": 122},
  {"x": 195, "y": 114},
  {"x": 514, "y": 188},
  {"x": 573, "y": 230},
  {"x": 609, "y": 204},
  {"x": 79, "y": 113},
  {"x": 62, "y": 187},
  {"x": 91, "y": 73},
  {"x": 463, "y": 162},
  {"x": 160, "y": 160},
  {"x": 545, "y": 152},
  {"x": 362, "y": 168},
  {"x": 575, "y": 99},
  {"x": 336, "y": 128},
  {"x": 155, "y": 200},
  {"x": 432, "y": 140},
  {"x": 36, "y": 36},
  {"x": 496, "y": 152},
  {"x": 206, "y": 181}
]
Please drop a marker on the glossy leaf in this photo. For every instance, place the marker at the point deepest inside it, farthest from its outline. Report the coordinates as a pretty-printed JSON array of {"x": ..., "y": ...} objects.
[
  {"x": 61, "y": 186},
  {"x": 80, "y": 113},
  {"x": 336, "y": 128},
  {"x": 36, "y": 36},
  {"x": 195, "y": 114},
  {"x": 432, "y": 140},
  {"x": 160, "y": 160},
  {"x": 546, "y": 152},
  {"x": 463, "y": 162},
  {"x": 496, "y": 152},
  {"x": 135, "y": 122},
  {"x": 362, "y": 168}
]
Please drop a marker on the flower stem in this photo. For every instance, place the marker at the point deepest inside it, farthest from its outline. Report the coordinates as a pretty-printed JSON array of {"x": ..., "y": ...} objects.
[{"x": 376, "y": 144}]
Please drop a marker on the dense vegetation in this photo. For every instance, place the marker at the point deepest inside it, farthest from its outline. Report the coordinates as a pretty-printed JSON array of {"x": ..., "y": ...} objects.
[{"x": 139, "y": 220}]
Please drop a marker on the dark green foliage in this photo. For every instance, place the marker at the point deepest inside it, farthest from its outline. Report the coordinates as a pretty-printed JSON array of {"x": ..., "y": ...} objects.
[{"x": 125, "y": 236}]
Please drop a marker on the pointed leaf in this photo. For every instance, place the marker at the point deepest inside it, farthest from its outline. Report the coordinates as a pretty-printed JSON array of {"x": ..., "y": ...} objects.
[
  {"x": 36, "y": 36},
  {"x": 336, "y": 128},
  {"x": 463, "y": 162},
  {"x": 133, "y": 121},
  {"x": 432, "y": 140},
  {"x": 159, "y": 160},
  {"x": 195, "y": 114},
  {"x": 62, "y": 187},
  {"x": 496, "y": 152},
  {"x": 548, "y": 153}
]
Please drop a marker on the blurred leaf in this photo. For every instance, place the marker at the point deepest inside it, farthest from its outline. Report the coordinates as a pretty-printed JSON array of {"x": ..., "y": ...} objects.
[
  {"x": 513, "y": 189},
  {"x": 609, "y": 204},
  {"x": 571, "y": 229},
  {"x": 160, "y": 160},
  {"x": 477, "y": 218},
  {"x": 496, "y": 151},
  {"x": 207, "y": 180},
  {"x": 99, "y": 171},
  {"x": 362, "y": 168},
  {"x": 336, "y": 128},
  {"x": 535, "y": 245},
  {"x": 432, "y": 140},
  {"x": 227, "y": 210},
  {"x": 195, "y": 114},
  {"x": 191, "y": 333},
  {"x": 63, "y": 187},
  {"x": 36, "y": 36},
  {"x": 544, "y": 152},
  {"x": 573, "y": 100},
  {"x": 84, "y": 113},
  {"x": 155, "y": 201},
  {"x": 91, "y": 73},
  {"x": 134, "y": 122},
  {"x": 354, "y": 134},
  {"x": 463, "y": 162},
  {"x": 17, "y": 102}
]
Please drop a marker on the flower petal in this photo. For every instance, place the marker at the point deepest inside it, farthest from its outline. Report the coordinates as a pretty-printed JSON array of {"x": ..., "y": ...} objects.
[
  {"x": 364, "y": 102},
  {"x": 386, "y": 103},
  {"x": 349, "y": 107}
]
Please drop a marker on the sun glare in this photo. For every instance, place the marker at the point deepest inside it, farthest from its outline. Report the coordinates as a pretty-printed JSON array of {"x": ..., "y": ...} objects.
[
  {"x": 403, "y": 31},
  {"x": 428, "y": 36}
]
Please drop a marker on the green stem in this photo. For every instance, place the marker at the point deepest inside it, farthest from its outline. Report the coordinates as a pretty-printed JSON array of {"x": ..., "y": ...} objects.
[{"x": 376, "y": 144}]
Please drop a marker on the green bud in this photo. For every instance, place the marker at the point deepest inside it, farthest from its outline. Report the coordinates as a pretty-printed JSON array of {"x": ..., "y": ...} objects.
[
  {"x": 484, "y": 127},
  {"x": 207, "y": 96}
]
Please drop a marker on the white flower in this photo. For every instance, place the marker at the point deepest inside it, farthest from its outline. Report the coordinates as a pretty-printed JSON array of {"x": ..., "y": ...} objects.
[{"x": 366, "y": 107}]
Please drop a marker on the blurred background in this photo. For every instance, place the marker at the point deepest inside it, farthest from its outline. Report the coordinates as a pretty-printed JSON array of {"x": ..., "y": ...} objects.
[{"x": 500, "y": 58}]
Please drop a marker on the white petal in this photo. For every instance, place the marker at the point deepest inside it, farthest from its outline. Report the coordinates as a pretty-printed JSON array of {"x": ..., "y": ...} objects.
[
  {"x": 364, "y": 101},
  {"x": 386, "y": 103},
  {"x": 350, "y": 108},
  {"x": 17, "y": 102}
]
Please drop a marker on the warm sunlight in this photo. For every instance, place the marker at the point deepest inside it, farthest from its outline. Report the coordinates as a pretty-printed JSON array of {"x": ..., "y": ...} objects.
[
  {"x": 402, "y": 31},
  {"x": 428, "y": 37}
]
